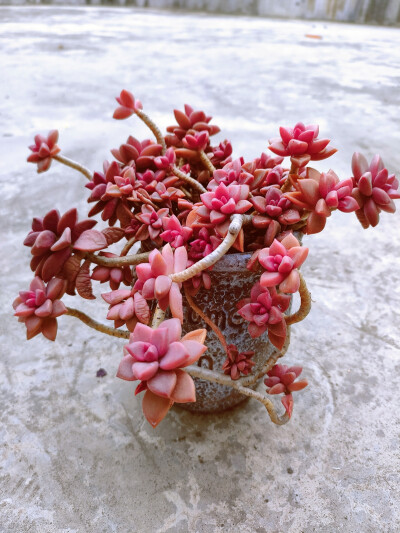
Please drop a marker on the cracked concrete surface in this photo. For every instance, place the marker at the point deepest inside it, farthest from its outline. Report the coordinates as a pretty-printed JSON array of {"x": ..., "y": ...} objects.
[{"x": 76, "y": 454}]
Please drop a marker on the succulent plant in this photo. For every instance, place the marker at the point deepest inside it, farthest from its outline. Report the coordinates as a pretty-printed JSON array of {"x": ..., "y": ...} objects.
[
  {"x": 39, "y": 307},
  {"x": 182, "y": 204}
]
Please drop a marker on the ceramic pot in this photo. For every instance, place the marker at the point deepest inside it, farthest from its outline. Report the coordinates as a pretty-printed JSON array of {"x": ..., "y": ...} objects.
[{"x": 231, "y": 282}]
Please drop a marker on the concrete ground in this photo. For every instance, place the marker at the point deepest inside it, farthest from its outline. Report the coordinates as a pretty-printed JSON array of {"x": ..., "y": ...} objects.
[{"x": 77, "y": 455}]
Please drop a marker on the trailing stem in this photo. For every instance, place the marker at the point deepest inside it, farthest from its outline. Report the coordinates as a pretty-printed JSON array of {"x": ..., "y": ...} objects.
[
  {"x": 158, "y": 317},
  {"x": 73, "y": 164},
  {"x": 305, "y": 304},
  {"x": 187, "y": 179},
  {"x": 208, "y": 321},
  {"x": 96, "y": 325},
  {"x": 206, "y": 162},
  {"x": 221, "y": 379},
  {"x": 153, "y": 127},
  {"x": 118, "y": 261},
  {"x": 249, "y": 380},
  {"x": 288, "y": 183},
  {"x": 233, "y": 231},
  {"x": 128, "y": 246}
]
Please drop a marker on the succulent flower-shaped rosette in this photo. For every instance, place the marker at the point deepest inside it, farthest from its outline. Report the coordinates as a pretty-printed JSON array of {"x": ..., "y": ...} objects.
[{"x": 185, "y": 203}]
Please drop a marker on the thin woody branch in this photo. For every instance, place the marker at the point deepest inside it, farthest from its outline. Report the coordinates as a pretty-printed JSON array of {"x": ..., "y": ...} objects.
[
  {"x": 73, "y": 164},
  {"x": 118, "y": 261},
  {"x": 153, "y": 127},
  {"x": 233, "y": 231},
  {"x": 206, "y": 161},
  {"x": 289, "y": 182},
  {"x": 187, "y": 179},
  {"x": 221, "y": 379},
  {"x": 158, "y": 317},
  {"x": 207, "y": 320},
  {"x": 97, "y": 325},
  {"x": 128, "y": 246}
]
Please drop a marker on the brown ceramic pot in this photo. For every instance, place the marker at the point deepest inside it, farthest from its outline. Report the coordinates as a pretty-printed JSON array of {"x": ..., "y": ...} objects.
[{"x": 231, "y": 282}]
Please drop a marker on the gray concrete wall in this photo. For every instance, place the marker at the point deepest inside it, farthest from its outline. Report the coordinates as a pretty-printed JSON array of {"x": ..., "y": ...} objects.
[{"x": 360, "y": 11}]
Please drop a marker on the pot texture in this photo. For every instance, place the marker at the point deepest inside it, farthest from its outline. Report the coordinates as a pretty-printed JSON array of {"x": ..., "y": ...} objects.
[{"x": 231, "y": 282}]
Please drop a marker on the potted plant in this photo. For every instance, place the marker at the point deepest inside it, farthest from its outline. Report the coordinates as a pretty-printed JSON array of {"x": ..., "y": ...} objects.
[{"x": 204, "y": 301}]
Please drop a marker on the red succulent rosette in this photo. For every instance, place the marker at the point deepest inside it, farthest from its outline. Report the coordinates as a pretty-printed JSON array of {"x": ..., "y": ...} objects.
[
  {"x": 127, "y": 105},
  {"x": 43, "y": 150},
  {"x": 281, "y": 379},
  {"x": 54, "y": 237},
  {"x": 374, "y": 189},
  {"x": 140, "y": 154},
  {"x": 238, "y": 363}
]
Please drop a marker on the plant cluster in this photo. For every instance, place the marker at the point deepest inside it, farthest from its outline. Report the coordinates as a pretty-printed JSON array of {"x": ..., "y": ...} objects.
[{"x": 184, "y": 202}]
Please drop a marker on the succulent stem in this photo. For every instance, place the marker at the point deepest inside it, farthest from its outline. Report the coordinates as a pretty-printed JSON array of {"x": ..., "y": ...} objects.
[
  {"x": 221, "y": 379},
  {"x": 128, "y": 246},
  {"x": 305, "y": 304},
  {"x": 158, "y": 317},
  {"x": 96, "y": 325},
  {"x": 73, "y": 164},
  {"x": 134, "y": 259},
  {"x": 184, "y": 177},
  {"x": 252, "y": 378},
  {"x": 206, "y": 161},
  {"x": 233, "y": 231},
  {"x": 288, "y": 183},
  {"x": 153, "y": 127},
  {"x": 208, "y": 321}
]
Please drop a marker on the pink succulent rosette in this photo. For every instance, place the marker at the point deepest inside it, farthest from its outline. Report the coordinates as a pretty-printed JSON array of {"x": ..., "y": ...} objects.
[
  {"x": 166, "y": 161},
  {"x": 198, "y": 141},
  {"x": 301, "y": 141},
  {"x": 281, "y": 379},
  {"x": 232, "y": 173},
  {"x": 281, "y": 261},
  {"x": 174, "y": 233},
  {"x": 264, "y": 312},
  {"x": 152, "y": 221},
  {"x": 154, "y": 281},
  {"x": 203, "y": 244},
  {"x": 39, "y": 307},
  {"x": 156, "y": 357},
  {"x": 223, "y": 202},
  {"x": 191, "y": 121},
  {"x": 277, "y": 206},
  {"x": 374, "y": 189},
  {"x": 221, "y": 155},
  {"x": 321, "y": 193},
  {"x": 43, "y": 150},
  {"x": 127, "y": 306}
]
